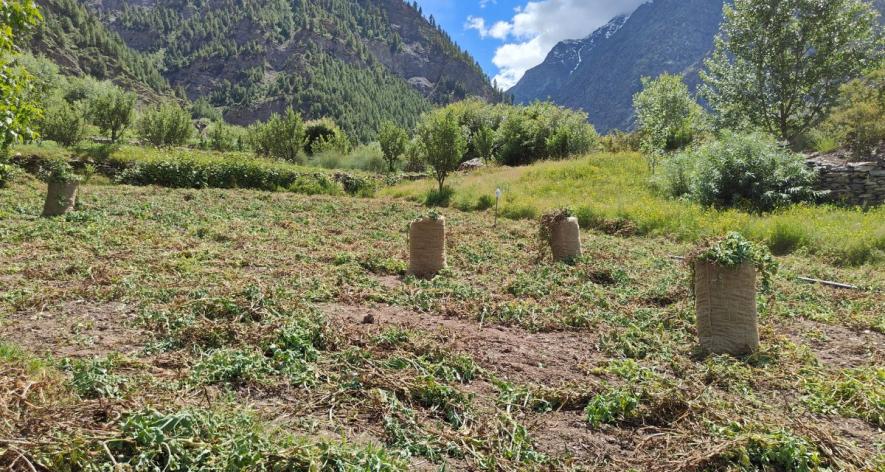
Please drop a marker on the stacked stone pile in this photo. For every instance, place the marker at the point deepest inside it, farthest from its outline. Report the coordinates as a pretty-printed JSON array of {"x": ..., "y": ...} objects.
[{"x": 851, "y": 183}]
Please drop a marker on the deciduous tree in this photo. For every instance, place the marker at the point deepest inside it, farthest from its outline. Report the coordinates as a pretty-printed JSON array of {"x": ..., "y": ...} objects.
[
  {"x": 112, "y": 112},
  {"x": 393, "y": 140},
  {"x": 778, "y": 64},
  {"x": 443, "y": 144}
]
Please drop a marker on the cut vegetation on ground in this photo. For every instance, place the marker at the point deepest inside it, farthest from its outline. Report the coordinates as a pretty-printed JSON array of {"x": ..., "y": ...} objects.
[{"x": 182, "y": 329}]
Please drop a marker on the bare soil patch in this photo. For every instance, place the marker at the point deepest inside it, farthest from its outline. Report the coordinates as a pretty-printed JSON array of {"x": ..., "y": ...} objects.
[
  {"x": 839, "y": 347},
  {"x": 75, "y": 329},
  {"x": 513, "y": 353}
]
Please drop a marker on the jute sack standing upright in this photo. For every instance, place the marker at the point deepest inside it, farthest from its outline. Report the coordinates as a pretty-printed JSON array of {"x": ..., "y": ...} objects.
[
  {"x": 565, "y": 239},
  {"x": 725, "y": 300},
  {"x": 427, "y": 246},
  {"x": 60, "y": 198}
]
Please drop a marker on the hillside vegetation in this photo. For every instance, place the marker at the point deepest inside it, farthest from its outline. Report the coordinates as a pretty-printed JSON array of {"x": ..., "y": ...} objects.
[
  {"x": 611, "y": 192},
  {"x": 357, "y": 62}
]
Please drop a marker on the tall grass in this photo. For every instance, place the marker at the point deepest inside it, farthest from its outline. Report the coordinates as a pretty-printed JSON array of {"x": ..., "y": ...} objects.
[{"x": 612, "y": 191}]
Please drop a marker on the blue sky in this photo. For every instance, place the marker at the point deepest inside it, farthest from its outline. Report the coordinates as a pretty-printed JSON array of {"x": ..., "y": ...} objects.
[{"x": 508, "y": 37}]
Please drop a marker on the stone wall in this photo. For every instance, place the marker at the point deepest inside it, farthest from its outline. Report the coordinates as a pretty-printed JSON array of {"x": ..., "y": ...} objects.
[{"x": 851, "y": 183}]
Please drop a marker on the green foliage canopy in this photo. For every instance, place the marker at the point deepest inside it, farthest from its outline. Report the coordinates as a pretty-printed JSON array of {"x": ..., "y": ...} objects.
[
  {"x": 17, "y": 110},
  {"x": 859, "y": 119},
  {"x": 63, "y": 123},
  {"x": 393, "y": 140},
  {"x": 281, "y": 137},
  {"x": 778, "y": 65},
  {"x": 746, "y": 171},
  {"x": 666, "y": 115},
  {"x": 112, "y": 111},
  {"x": 443, "y": 143},
  {"x": 165, "y": 125}
]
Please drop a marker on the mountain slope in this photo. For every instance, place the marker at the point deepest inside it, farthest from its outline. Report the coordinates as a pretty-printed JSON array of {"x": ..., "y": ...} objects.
[
  {"x": 547, "y": 79},
  {"x": 601, "y": 73},
  {"x": 661, "y": 36},
  {"x": 76, "y": 40},
  {"x": 357, "y": 61}
]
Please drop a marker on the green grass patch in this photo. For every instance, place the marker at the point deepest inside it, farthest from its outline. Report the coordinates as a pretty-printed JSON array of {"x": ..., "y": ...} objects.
[{"x": 611, "y": 192}]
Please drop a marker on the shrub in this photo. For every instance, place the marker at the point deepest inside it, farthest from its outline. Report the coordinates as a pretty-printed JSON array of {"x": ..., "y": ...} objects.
[
  {"x": 63, "y": 123},
  {"x": 746, "y": 171},
  {"x": 165, "y": 125},
  {"x": 281, "y": 137},
  {"x": 112, "y": 111},
  {"x": 543, "y": 131},
  {"x": 439, "y": 197},
  {"x": 414, "y": 159},
  {"x": 324, "y": 135},
  {"x": 484, "y": 143},
  {"x": 619, "y": 141},
  {"x": 225, "y": 138},
  {"x": 201, "y": 108},
  {"x": 194, "y": 169},
  {"x": 314, "y": 185}
]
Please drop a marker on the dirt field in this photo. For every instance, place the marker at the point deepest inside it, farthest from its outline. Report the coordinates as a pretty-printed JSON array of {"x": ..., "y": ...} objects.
[{"x": 158, "y": 329}]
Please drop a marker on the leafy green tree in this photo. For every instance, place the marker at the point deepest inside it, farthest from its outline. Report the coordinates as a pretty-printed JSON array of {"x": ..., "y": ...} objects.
[
  {"x": 393, "y": 140},
  {"x": 63, "y": 123},
  {"x": 112, "y": 111},
  {"x": 666, "y": 115},
  {"x": 443, "y": 144},
  {"x": 17, "y": 109},
  {"x": 484, "y": 143},
  {"x": 165, "y": 125},
  {"x": 778, "y": 64},
  {"x": 859, "y": 119},
  {"x": 281, "y": 137}
]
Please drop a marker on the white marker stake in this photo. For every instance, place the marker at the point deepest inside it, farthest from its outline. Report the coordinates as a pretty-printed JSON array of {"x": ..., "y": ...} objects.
[{"x": 498, "y": 193}]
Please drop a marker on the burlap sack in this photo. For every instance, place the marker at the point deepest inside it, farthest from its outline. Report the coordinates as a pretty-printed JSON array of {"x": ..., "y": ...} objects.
[
  {"x": 725, "y": 300},
  {"x": 565, "y": 239},
  {"x": 427, "y": 247},
  {"x": 60, "y": 198}
]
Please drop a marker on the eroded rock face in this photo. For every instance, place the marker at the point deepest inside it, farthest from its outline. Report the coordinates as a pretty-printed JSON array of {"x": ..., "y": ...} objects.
[{"x": 852, "y": 183}]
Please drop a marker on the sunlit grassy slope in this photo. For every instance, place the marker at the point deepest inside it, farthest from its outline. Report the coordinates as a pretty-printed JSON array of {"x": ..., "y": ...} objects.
[{"x": 611, "y": 192}]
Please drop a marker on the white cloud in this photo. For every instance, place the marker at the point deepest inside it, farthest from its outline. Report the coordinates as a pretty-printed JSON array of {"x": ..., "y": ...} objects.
[
  {"x": 536, "y": 27},
  {"x": 478, "y": 24}
]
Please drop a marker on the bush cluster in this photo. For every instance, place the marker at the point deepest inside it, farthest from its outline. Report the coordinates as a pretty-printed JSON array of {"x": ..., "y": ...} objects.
[
  {"x": 280, "y": 137},
  {"x": 182, "y": 169},
  {"x": 63, "y": 122},
  {"x": 165, "y": 125},
  {"x": 324, "y": 135},
  {"x": 747, "y": 171},
  {"x": 521, "y": 135}
]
